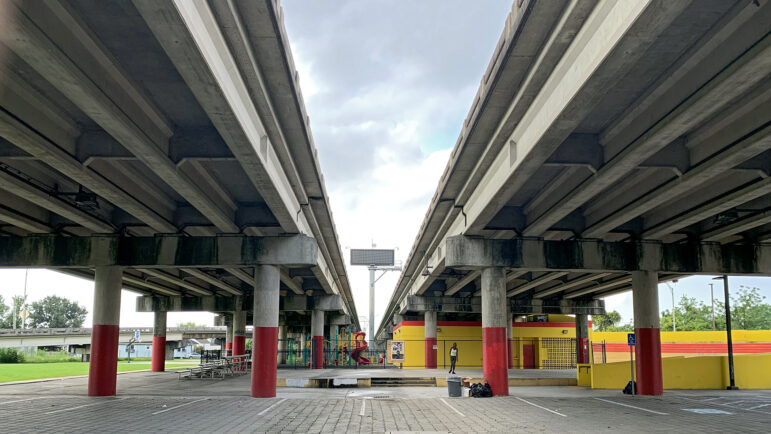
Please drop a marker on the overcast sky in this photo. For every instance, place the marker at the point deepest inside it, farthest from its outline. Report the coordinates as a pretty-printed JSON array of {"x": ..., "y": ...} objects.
[{"x": 387, "y": 86}]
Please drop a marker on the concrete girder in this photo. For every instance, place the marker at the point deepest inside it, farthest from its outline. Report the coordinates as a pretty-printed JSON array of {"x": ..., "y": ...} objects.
[
  {"x": 163, "y": 275},
  {"x": 598, "y": 256},
  {"x": 301, "y": 303},
  {"x": 623, "y": 289},
  {"x": 535, "y": 282},
  {"x": 746, "y": 148},
  {"x": 80, "y": 67},
  {"x": 741, "y": 75},
  {"x": 211, "y": 280},
  {"x": 150, "y": 285},
  {"x": 190, "y": 36},
  {"x": 338, "y": 320},
  {"x": 468, "y": 278},
  {"x": 708, "y": 209},
  {"x": 570, "y": 284},
  {"x": 43, "y": 198},
  {"x": 22, "y": 221},
  {"x": 741, "y": 225},
  {"x": 599, "y": 287},
  {"x": 416, "y": 303},
  {"x": 156, "y": 252},
  {"x": 565, "y": 307},
  {"x": 291, "y": 283}
]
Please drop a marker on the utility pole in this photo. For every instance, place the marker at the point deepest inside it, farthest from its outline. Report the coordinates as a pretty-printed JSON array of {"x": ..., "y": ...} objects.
[
  {"x": 732, "y": 381},
  {"x": 672, "y": 291}
]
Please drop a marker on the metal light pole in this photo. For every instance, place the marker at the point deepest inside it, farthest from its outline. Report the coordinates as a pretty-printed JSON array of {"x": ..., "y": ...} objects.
[
  {"x": 672, "y": 291},
  {"x": 372, "y": 303},
  {"x": 712, "y": 298},
  {"x": 732, "y": 385}
]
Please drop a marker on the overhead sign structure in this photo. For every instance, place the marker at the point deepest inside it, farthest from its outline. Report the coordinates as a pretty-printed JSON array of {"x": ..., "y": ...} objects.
[{"x": 374, "y": 257}]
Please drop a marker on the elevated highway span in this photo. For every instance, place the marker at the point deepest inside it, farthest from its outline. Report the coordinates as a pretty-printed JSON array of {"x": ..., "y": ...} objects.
[
  {"x": 611, "y": 146},
  {"x": 163, "y": 147}
]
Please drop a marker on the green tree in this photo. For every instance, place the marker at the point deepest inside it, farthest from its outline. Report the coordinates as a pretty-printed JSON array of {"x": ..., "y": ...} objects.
[
  {"x": 604, "y": 322},
  {"x": 609, "y": 323},
  {"x": 190, "y": 325},
  {"x": 690, "y": 315},
  {"x": 5, "y": 315},
  {"x": 748, "y": 312},
  {"x": 56, "y": 312}
]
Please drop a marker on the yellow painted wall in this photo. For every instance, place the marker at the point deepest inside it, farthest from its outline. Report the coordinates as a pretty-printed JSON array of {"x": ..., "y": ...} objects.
[
  {"x": 468, "y": 338},
  {"x": 711, "y": 372}
]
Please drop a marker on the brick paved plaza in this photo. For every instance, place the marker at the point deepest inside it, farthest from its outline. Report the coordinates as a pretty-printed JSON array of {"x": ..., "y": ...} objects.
[{"x": 158, "y": 402}]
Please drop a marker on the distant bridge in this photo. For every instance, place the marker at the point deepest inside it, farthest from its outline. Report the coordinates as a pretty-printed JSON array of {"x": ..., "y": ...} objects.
[{"x": 42, "y": 337}]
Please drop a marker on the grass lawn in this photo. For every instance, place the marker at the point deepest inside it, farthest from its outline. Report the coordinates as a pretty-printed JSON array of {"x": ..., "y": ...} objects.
[{"x": 34, "y": 371}]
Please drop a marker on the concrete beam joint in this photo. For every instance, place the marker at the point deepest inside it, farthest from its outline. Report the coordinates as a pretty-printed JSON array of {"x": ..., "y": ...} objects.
[
  {"x": 161, "y": 251},
  {"x": 597, "y": 256}
]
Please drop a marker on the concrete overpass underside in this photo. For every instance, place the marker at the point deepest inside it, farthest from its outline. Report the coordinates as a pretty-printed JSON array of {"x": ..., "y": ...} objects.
[
  {"x": 610, "y": 146},
  {"x": 163, "y": 147}
]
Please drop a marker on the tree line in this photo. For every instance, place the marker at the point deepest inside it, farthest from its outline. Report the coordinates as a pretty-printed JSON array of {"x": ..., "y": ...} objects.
[
  {"x": 748, "y": 312},
  {"x": 50, "y": 312}
]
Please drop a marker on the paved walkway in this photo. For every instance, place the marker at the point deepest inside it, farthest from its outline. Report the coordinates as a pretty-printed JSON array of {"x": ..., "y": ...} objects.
[{"x": 150, "y": 402}]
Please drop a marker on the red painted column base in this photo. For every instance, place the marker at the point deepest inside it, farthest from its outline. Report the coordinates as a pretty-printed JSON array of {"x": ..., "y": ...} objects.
[
  {"x": 430, "y": 353},
  {"x": 583, "y": 350},
  {"x": 264, "y": 353},
  {"x": 228, "y": 348},
  {"x": 159, "y": 354},
  {"x": 648, "y": 357},
  {"x": 510, "y": 348},
  {"x": 239, "y": 345},
  {"x": 494, "y": 363},
  {"x": 317, "y": 352},
  {"x": 104, "y": 360}
]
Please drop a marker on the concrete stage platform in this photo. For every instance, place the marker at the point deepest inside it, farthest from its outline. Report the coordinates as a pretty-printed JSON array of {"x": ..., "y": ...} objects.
[{"x": 380, "y": 377}]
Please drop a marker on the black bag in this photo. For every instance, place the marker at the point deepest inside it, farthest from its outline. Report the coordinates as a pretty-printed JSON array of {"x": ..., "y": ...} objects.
[
  {"x": 479, "y": 390},
  {"x": 487, "y": 391},
  {"x": 476, "y": 390},
  {"x": 628, "y": 388}
]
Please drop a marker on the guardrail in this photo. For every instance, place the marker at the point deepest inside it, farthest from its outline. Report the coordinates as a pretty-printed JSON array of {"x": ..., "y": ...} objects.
[{"x": 87, "y": 331}]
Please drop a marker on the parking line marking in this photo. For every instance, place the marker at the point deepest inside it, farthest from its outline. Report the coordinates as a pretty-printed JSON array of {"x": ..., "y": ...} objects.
[
  {"x": 268, "y": 409},
  {"x": 181, "y": 405},
  {"x": 363, "y": 405},
  {"x": 543, "y": 408},
  {"x": 632, "y": 406},
  {"x": 758, "y": 406},
  {"x": 80, "y": 406},
  {"x": 453, "y": 408},
  {"x": 723, "y": 405},
  {"x": 22, "y": 400}
]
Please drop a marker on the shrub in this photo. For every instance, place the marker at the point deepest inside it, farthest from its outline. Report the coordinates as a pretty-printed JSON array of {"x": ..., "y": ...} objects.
[
  {"x": 10, "y": 355},
  {"x": 52, "y": 357}
]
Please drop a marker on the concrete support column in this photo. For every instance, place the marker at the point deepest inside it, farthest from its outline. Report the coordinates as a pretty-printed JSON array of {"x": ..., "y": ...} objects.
[
  {"x": 104, "y": 335},
  {"x": 282, "y": 345},
  {"x": 510, "y": 336},
  {"x": 429, "y": 326},
  {"x": 229, "y": 335},
  {"x": 494, "y": 319},
  {"x": 158, "y": 363},
  {"x": 333, "y": 331},
  {"x": 582, "y": 338},
  {"x": 239, "y": 333},
  {"x": 317, "y": 339},
  {"x": 265, "y": 336},
  {"x": 645, "y": 297}
]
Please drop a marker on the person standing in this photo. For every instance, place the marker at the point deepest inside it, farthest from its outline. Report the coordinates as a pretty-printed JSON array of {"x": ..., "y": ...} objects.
[{"x": 453, "y": 357}]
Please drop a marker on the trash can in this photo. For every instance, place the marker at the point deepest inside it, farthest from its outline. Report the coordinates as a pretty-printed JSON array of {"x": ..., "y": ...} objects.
[{"x": 453, "y": 386}]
